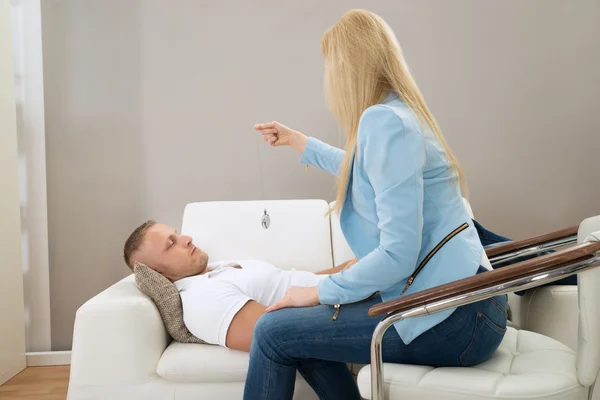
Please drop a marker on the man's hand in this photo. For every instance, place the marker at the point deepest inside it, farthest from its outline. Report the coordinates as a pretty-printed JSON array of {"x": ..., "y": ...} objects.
[
  {"x": 339, "y": 268},
  {"x": 297, "y": 297}
]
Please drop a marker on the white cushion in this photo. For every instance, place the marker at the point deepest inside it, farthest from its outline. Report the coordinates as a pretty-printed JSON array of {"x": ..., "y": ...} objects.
[
  {"x": 187, "y": 362},
  {"x": 525, "y": 366},
  {"x": 298, "y": 236},
  {"x": 552, "y": 311},
  {"x": 203, "y": 363}
]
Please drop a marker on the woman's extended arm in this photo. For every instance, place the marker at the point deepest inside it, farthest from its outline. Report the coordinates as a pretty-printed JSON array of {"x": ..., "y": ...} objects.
[{"x": 314, "y": 152}]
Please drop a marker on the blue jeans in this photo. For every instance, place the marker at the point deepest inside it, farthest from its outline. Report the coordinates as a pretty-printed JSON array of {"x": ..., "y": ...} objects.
[{"x": 307, "y": 340}]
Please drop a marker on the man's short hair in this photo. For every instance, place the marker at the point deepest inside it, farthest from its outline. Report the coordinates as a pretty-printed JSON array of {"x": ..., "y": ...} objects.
[{"x": 134, "y": 241}]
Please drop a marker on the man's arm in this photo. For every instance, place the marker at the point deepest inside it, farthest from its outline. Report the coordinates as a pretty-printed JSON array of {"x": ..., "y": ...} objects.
[
  {"x": 239, "y": 334},
  {"x": 339, "y": 268}
]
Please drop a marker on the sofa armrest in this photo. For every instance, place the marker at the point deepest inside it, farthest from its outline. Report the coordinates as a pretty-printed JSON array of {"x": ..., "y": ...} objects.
[
  {"x": 118, "y": 338},
  {"x": 558, "y": 262}
]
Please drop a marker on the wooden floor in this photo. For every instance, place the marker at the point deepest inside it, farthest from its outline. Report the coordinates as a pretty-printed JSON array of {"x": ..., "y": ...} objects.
[{"x": 39, "y": 383}]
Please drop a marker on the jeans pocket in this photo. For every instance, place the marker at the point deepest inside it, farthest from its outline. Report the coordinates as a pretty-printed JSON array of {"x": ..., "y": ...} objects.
[{"x": 490, "y": 327}]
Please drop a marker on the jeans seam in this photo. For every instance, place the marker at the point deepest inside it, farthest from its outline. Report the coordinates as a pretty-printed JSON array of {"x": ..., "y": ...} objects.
[
  {"x": 269, "y": 372},
  {"x": 312, "y": 383},
  {"x": 498, "y": 306},
  {"x": 273, "y": 349},
  {"x": 329, "y": 340},
  {"x": 460, "y": 358},
  {"x": 270, "y": 357},
  {"x": 319, "y": 340}
]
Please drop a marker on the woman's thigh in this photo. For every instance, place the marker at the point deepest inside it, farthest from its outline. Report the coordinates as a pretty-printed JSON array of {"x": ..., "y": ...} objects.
[{"x": 311, "y": 333}]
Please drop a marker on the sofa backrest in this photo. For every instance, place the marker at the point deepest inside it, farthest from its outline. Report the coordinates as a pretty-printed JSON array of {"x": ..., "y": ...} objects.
[
  {"x": 341, "y": 249},
  {"x": 297, "y": 235}
]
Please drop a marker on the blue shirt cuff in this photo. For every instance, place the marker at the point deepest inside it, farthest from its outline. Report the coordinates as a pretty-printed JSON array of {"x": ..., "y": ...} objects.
[
  {"x": 326, "y": 292},
  {"x": 308, "y": 155}
]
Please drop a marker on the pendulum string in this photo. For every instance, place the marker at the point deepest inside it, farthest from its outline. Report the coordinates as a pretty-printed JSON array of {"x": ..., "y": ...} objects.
[
  {"x": 266, "y": 219},
  {"x": 262, "y": 188}
]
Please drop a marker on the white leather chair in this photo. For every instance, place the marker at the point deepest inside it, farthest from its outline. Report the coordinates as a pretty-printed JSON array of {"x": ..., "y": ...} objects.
[
  {"x": 550, "y": 310},
  {"x": 527, "y": 365}
]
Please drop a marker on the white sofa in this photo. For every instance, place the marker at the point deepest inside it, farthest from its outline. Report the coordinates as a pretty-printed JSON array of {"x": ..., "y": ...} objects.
[{"x": 121, "y": 350}]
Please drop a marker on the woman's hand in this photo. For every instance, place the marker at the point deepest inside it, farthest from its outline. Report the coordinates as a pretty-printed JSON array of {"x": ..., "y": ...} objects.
[
  {"x": 277, "y": 134},
  {"x": 297, "y": 297}
]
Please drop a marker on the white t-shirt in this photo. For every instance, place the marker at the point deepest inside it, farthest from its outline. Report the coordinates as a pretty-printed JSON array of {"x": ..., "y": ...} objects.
[{"x": 210, "y": 301}]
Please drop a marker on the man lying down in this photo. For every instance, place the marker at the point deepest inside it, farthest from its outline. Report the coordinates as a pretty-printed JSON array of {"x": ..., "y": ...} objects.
[{"x": 221, "y": 301}]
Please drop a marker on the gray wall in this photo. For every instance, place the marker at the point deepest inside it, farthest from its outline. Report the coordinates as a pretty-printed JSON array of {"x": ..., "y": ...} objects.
[{"x": 151, "y": 105}]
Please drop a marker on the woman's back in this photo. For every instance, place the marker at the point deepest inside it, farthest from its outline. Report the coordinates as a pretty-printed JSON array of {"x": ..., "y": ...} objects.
[{"x": 418, "y": 209}]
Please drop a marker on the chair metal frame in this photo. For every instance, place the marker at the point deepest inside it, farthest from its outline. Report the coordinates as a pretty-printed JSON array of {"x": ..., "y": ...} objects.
[
  {"x": 535, "y": 245},
  {"x": 520, "y": 276}
]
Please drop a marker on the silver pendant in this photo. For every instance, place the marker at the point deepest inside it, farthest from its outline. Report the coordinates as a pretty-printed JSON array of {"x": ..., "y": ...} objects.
[{"x": 266, "y": 220}]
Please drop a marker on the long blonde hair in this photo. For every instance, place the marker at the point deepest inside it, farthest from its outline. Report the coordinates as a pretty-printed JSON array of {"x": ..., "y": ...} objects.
[{"x": 363, "y": 62}]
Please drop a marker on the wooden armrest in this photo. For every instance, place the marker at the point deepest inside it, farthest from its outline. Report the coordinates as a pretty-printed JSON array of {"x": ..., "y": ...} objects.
[
  {"x": 549, "y": 262},
  {"x": 532, "y": 241}
]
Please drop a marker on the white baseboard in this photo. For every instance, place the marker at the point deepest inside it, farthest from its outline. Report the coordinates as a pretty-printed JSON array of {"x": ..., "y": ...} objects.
[{"x": 45, "y": 358}]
